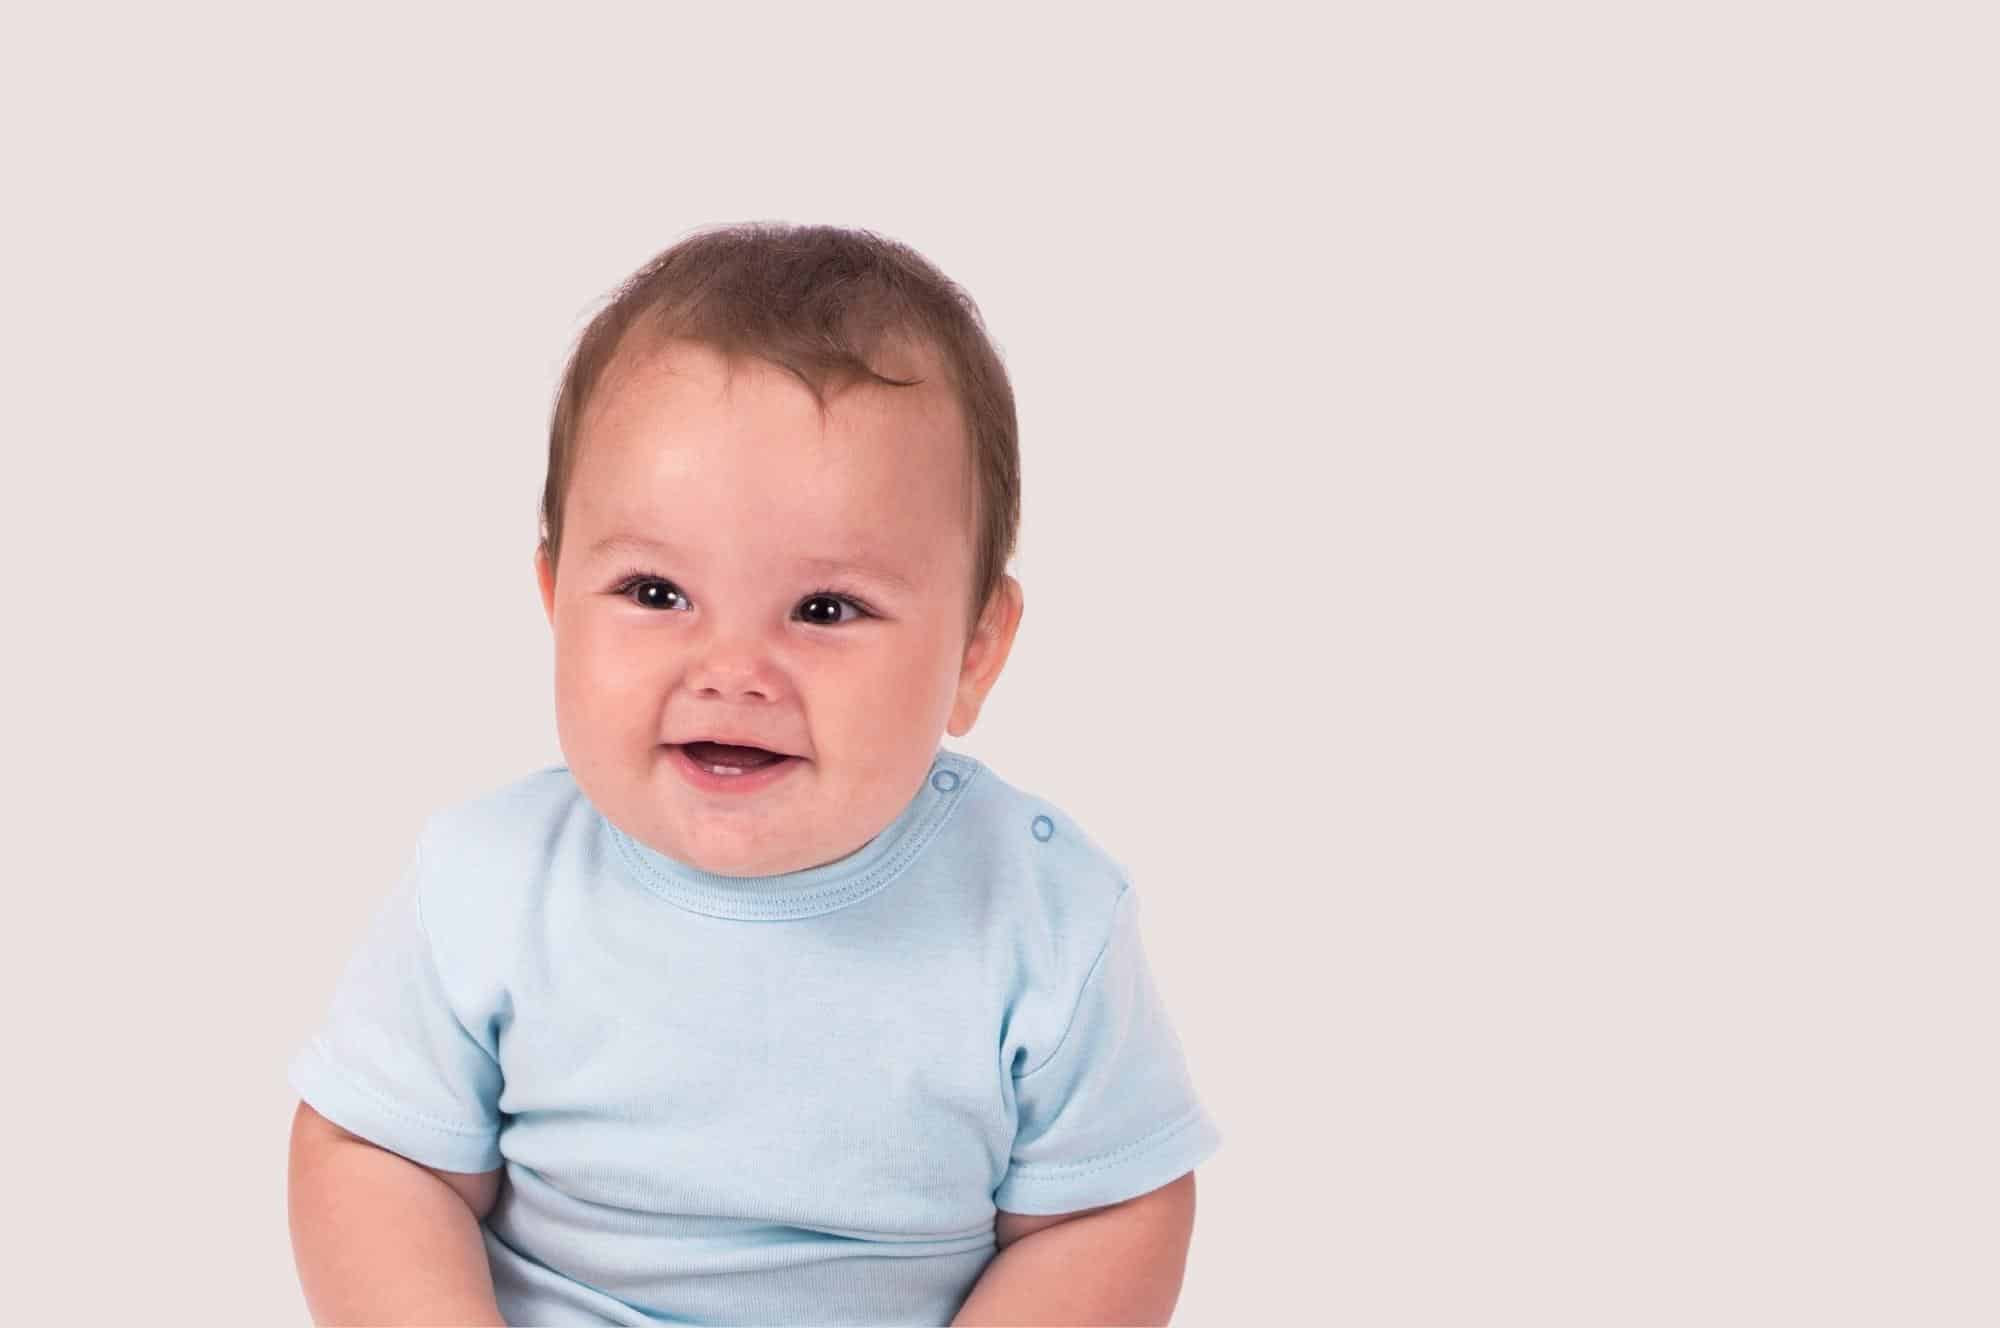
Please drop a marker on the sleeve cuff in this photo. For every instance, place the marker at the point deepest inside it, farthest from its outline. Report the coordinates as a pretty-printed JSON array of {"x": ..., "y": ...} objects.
[
  {"x": 358, "y": 1110},
  {"x": 1136, "y": 1169}
]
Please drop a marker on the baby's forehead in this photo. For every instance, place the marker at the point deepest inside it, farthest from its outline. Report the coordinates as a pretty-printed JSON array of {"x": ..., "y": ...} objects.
[
  {"x": 690, "y": 404},
  {"x": 829, "y": 505}
]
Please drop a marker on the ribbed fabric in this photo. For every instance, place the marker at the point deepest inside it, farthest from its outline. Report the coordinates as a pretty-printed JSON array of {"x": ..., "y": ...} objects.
[{"x": 792, "y": 1099}]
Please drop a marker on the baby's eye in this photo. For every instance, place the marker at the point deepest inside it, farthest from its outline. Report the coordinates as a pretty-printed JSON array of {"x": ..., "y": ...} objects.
[
  {"x": 823, "y": 608},
  {"x": 650, "y": 592}
]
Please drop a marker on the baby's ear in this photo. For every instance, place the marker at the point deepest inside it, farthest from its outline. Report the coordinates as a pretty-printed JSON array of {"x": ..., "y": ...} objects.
[
  {"x": 985, "y": 654},
  {"x": 545, "y": 577}
]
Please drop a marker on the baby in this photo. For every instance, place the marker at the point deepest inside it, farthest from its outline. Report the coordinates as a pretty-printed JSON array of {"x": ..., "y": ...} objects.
[{"x": 763, "y": 1008}]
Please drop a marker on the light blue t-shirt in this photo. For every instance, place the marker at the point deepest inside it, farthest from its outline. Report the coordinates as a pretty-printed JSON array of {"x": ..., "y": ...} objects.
[{"x": 760, "y": 1100}]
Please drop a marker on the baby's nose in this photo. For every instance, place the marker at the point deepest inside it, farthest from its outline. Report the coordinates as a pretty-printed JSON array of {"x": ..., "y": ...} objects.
[{"x": 735, "y": 671}]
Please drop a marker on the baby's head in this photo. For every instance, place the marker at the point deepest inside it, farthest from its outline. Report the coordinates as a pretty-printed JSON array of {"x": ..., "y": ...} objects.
[{"x": 783, "y": 486}]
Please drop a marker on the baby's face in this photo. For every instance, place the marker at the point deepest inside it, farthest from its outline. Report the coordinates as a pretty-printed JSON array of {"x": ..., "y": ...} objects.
[{"x": 731, "y": 572}]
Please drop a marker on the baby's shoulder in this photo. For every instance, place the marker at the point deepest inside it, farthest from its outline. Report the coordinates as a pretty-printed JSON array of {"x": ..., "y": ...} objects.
[
  {"x": 487, "y": 856},
  {"x": 519, "y": 815},
  {"x": 1037, "y": 859}
]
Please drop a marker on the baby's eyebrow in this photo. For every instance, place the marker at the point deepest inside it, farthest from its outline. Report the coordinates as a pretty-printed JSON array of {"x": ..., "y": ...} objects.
[
  {"x": 866, "y": 571},
  {"x": 626, "y": 543}
]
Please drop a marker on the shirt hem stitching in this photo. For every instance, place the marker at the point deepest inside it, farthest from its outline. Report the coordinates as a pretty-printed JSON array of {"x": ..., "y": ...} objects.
[
  {"x": 395, "y": 1109},
  {"x": 1033, "y": 1171}
]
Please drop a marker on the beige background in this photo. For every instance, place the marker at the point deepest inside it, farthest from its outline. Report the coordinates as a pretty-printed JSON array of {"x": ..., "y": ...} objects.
[{"x": 1509, "y": 552}]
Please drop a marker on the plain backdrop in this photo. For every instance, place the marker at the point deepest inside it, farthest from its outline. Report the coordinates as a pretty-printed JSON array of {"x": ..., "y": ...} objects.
[{"x": 1509, "y": 550}]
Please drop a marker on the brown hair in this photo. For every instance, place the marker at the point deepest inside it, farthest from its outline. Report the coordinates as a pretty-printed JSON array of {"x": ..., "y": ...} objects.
[{"x": 817, "y": 301}]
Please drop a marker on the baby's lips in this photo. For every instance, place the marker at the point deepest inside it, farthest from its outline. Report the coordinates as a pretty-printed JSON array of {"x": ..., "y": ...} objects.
[{"x": 723, "y": 753}]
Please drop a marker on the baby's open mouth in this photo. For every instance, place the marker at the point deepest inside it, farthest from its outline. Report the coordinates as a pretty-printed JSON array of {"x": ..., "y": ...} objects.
[{"x": 721, "y": 758}]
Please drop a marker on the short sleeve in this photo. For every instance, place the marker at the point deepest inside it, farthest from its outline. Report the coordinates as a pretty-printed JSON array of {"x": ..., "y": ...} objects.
[
  {"x": 394, "y": 1062},
  {"x": 1111, "y": 1113}
]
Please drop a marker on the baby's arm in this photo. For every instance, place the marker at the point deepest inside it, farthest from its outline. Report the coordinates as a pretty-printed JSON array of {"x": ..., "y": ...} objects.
[
  {"x": 380, "y": 1239},
  {"x": 1119, "y": 1264}
]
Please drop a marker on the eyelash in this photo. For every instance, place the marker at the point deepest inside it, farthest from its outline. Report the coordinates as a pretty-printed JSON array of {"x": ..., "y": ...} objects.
[{"x": 636, "y": 579}]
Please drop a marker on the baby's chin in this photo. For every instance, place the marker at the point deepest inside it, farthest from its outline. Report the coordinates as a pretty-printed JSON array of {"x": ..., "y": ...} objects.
[
  {"x": 758, "y": 860},
  {"x": 779, "y": 830},
  {"x": 726, "y": 846}
]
